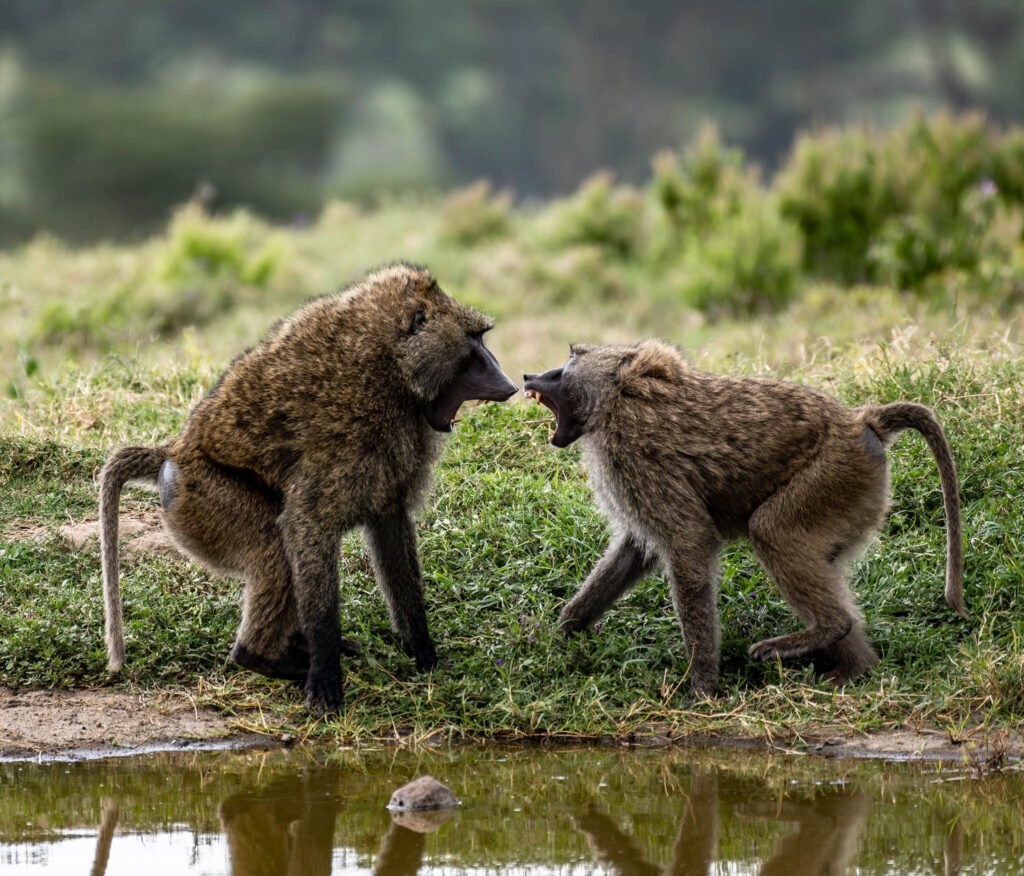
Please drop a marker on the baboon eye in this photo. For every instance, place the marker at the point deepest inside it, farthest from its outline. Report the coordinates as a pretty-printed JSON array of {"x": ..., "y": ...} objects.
[{"x": 418, "y": 320}]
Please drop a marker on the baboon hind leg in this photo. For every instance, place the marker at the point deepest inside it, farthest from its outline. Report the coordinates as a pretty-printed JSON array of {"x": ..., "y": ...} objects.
[
  {"x": 817, "y": 593},
  {"x": 230, "y": 526},
  {"x": 806, "y": 545},
  {"x": 814, "y": 585},
  {"x": 851, "y": 656}
]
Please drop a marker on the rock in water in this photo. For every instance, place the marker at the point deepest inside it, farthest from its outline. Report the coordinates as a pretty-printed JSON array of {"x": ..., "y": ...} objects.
[{"x": 426, "y": 792}]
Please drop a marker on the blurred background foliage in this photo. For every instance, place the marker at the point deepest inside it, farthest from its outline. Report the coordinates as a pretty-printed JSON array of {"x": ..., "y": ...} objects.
[
  {"x": 112, "y": 112},
  {"x": 185, "y": 172}
]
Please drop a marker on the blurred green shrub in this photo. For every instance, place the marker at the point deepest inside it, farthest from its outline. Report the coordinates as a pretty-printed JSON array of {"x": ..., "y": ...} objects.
[
  {"x": 599, "y": 214},
  {"x": 101, "y": 160},
  {"x": 202, "y": 269},
  {"x": 748, "y": 265},
  {"x": 902, "y": 206},
  {"x": 201, "y": 247},
  {"x": 699, "y": 190},
  {"x": 577, "y": 275},
  {"x": 475, "y": 213},
  {"x": 720, "y": 235},
  {"x": 835, "y": 188}
]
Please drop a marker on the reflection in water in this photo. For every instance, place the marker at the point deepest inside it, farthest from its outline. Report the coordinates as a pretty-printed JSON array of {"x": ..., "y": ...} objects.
[
  {"x": 629, "y": 813},
  {"x": 105, "y": 838},
  {"x": 401, "y": 850},
  {"x": 284, "y": 828},
  {"x": 825, "y": 839},
  {"x": 695, "y": 844}
]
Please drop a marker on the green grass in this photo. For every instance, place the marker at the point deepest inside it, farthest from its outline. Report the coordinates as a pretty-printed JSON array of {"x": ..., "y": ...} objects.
[{"x": 506, "y": 537}]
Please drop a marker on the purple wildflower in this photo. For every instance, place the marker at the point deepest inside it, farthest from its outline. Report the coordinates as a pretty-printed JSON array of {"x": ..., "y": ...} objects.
[{"x": 987, "y": 188}]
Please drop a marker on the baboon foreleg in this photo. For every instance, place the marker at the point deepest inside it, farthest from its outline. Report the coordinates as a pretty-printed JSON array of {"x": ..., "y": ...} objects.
[
  {"x": 312, "y": 541},
  {"x": 623, "y": 564},
  {"x": 391, "y": 542},
  {"x": 693, "y": 581}
]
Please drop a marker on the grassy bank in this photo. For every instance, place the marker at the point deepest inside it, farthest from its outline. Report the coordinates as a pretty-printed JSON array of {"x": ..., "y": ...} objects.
[
  {"x": 506, "y": 537},
  {"x": 877, "y": 266}
]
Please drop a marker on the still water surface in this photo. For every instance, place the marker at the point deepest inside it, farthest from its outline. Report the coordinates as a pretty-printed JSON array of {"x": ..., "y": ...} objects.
[{"x": 525, "y": 811}]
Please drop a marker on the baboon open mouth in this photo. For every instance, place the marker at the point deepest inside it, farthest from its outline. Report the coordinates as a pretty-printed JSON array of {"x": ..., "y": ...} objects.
[{"x": 549, "y": 403}]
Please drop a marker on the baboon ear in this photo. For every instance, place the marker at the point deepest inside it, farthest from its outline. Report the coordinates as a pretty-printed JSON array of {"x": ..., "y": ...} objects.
[{"x": 647, "y": 363}]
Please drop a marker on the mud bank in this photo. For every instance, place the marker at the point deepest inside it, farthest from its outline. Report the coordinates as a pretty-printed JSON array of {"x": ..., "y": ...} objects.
[{"x": 101, "y": 723}]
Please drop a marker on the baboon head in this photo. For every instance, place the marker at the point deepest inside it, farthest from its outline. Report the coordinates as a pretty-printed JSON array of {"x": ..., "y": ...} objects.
[
  {"x": 582, "y": 391},
  {"x": 440, "y": 348}
]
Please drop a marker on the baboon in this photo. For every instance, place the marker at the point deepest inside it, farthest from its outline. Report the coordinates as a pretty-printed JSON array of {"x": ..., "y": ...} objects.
[
  {"x": 682, "y": 460},
  {"x": 332, "y": 421}
]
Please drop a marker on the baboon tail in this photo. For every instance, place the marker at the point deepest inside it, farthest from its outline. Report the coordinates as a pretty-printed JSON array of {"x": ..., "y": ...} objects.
[
  {"x": 889, "y": 419},
  {"x": 126, "y": 464}
]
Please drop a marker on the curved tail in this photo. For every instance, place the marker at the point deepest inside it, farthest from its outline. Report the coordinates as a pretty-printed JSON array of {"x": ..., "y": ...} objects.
[
  {"x": 889, "y": 419},
  {"x": 126, "y": 464}
]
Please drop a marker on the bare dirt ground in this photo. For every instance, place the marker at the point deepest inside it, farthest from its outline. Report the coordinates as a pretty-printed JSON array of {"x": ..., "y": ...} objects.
[
  {"x": 92, "y": 722},
  {"x": 979, "y": 748},
  {"x": 140, "y": 534}
]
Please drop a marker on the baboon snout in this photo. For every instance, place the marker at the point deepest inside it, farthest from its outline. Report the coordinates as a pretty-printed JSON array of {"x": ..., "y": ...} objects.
[
  {"x": 537, "y": 382},
  {"x": 485, "y": 379}
]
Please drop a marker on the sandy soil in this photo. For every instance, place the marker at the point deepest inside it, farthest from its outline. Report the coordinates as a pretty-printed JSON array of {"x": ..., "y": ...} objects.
[
  {"x": 978, "y": 748},
  {"x": 90, "y": 722},
  {"x": 139, "y": 534}
]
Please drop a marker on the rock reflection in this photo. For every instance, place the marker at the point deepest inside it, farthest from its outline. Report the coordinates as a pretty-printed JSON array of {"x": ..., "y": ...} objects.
[
  {"x": 401, "y": 850},
  {"x": 828, "y": 826},
  {"x": 284, "y": 829}
]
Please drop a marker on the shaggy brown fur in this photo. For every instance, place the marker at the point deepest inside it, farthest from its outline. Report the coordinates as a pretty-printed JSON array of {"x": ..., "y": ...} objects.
[
  {"x": 682, "y": 460},
  {"x": 331, "y": 422}
]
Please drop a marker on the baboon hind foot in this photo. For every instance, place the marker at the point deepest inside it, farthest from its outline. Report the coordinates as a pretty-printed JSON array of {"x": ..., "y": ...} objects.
[
  {"x": 847, "y": 659},
  {"x": 293, "y": 664},
  {"x": 802, "y": 643}
]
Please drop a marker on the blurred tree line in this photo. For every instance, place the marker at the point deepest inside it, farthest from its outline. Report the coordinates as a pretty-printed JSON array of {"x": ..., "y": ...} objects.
[{"x": 113, "y": 111}]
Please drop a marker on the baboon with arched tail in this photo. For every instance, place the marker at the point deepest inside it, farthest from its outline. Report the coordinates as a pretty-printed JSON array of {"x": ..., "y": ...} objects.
[{"x": 681, "y": 460}]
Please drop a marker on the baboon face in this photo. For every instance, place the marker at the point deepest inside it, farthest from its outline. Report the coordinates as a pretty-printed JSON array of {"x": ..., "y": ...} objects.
[
  {"x": 441, "y": 351},
  {"x": 578, "y": 391}
]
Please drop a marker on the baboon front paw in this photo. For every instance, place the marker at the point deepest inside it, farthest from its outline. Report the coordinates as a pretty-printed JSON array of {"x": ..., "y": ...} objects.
[
  {"x": 426, "y": 658},
  {"x": 568, "y": 625},
  {"x": 350, "y": 647},
  {"x": 771, "y": 649},
  {"x": 324, "y": 696}
]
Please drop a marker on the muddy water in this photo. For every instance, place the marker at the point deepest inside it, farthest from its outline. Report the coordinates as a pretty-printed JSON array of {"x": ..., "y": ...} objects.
[{"x": 629, "y": 812}]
